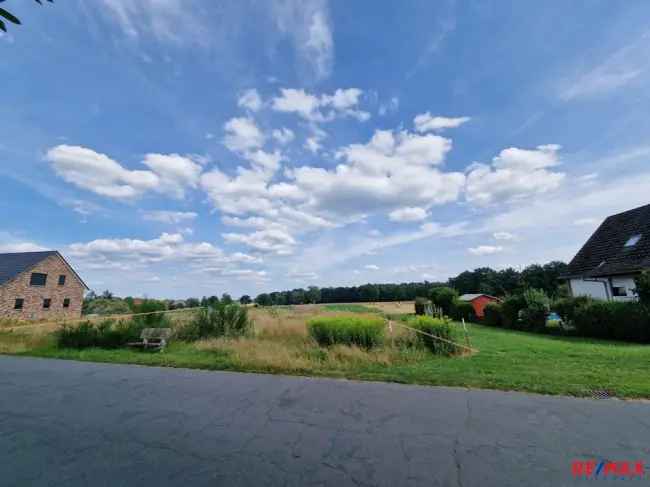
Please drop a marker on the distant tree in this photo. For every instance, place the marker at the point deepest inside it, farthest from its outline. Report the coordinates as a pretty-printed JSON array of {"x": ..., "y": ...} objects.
[
  {"x": 226, "y": 299},
  {"x": 5, "y": 14},
  {"x": 263, "y": 300},
  {"x": 107, "y": 294},
  {"x": 369, "y": 292},
  {"x": 129, "y": 301},
  {"x": 313, "y": 294},
  {"x": 444, "y": 297},
  {"x": 245, "y": 299},
  {"x": 91, "y": 295},
  {"x": 212, "y": 301},
  {"x": 192, "y": 303}
]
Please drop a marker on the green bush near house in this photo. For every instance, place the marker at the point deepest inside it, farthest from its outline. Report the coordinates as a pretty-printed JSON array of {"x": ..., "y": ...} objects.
[
  {"x": 437, "y": 327},
  {"x": 155, "y": 319},
  {"x": 567, "y": 307},
  {"x": 493, "y": 315},
  {"x": 106, "y": 307},
  {"x": 222, "y": 320},
  {"x": 362, "y": 331},
  {"x": 510, "y": 308},
  {"x": 444, "y": 297},
  {"x": 642, "y": 283},
  {"x": 533, "y": 316},
  {"x": 462, "y": 310},
  {"x": 628, "y": 321}
]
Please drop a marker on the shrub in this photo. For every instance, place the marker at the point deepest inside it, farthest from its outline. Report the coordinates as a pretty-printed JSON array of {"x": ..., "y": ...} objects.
[
  {"x": 154, "y": 320},
  {"x": 362, "y": 331},
  {"x": 613, "y": 320},
  {"x": 444, "y": 297},
  {"x": 222, "y": 320},
  {"x": 567, "y": 307},
  {"x": 463, "y": 310},
  {"x": 642, "y": 283},
  {"x": 420, "y": 305},
  {"x": 106, "y": 334},
  {"x": 510, "y": 309},
  {"x": 533, "y": 316},
  {"x": 493, "y": 315},
  {"x": 437, "y": 327},
  {"x": 106, "y": 307}
]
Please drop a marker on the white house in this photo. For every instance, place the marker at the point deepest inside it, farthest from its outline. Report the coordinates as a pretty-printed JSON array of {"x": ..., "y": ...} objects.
[{"x": 618, "y": 250}]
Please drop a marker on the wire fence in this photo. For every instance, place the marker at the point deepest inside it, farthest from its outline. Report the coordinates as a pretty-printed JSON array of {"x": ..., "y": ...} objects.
[
  {"x": 463, "y": 347},
  {"x": 64, "y": 321}
]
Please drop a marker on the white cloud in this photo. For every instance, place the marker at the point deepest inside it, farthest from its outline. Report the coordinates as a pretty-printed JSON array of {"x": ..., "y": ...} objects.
[
  {"x": 323, "y": 108},
  {"x": 307, "y": 23},
  {"x": 175, "y": 173},
  {"x": 408, "y": 214},
  {"x": 622, "y": 68},
  {"x": 371, "y": 267},
  {"x": 283, "y": 135},
  {"x": 170, "y": 174},
  {"x": 313, "y": 145},
  {"x": 164, "y": 20},
  {"x": 427, "y": 123},
  {"x": 169, "y": 217},
  {"x": 391, "y": 171},
  {"x": 273, "y": 240},
  {"x": 242, "y": 135},
  {"x": 98, "y": 173},
  {"x": 251, "y": 100},
  {"x": 503, "y": 236},
  {"x": 485, "y": 250},
  {"x": 514, "y": 174},
  {"x": 21, "y": 247}
]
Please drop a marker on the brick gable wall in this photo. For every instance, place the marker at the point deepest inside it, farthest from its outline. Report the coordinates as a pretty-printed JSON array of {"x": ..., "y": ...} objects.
[{"x": 33, "y": 296}]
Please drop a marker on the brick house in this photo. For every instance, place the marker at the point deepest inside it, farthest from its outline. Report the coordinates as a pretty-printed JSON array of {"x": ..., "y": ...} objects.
[{"x": 39, "y": 285}]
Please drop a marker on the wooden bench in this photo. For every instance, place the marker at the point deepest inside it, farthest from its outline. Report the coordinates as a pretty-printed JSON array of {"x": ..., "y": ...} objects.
[{"x": 153, "y": 338}]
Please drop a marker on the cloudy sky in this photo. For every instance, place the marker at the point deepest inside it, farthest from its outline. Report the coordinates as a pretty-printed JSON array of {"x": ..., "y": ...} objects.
[{"x": 185, "y": 148}]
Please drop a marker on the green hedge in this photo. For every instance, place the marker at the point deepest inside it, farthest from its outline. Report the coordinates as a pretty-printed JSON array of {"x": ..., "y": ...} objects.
[
  {"x": 437, "y": 327},
  {"x": 510, "y": 309},
  {"x": 493, "y": 315},
  {"x": 362, "y": 331},
  {"x": 567, "y": 307},
  {"x": 463, "y": 310},
  {"x": 614, "y": 320}
]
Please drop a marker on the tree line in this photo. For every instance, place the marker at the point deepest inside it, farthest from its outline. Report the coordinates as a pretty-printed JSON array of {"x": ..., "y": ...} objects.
[{"x": 482, "y": 280}]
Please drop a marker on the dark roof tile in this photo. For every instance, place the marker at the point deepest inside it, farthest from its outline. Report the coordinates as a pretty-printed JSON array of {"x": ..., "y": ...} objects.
[
  {"x": 14, "y": 264},
  {"x": 605, "y": 253}
]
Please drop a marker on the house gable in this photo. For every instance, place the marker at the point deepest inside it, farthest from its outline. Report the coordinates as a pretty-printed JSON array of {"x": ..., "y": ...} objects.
[{"x": 621, "y": 245}]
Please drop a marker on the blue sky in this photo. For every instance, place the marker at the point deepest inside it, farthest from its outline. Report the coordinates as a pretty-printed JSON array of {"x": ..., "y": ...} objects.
[{"x": 176, "y": 149}]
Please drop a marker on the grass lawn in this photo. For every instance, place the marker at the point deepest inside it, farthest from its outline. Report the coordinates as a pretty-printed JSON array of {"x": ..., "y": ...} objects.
[{"x": 507, "y": 360}]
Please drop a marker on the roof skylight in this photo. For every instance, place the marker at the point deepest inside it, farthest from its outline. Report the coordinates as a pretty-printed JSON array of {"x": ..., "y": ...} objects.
[{"x": 634, "y": 239}]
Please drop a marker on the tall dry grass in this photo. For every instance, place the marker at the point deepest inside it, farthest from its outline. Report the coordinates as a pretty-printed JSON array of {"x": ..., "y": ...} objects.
[{"x": 282, "y": 343}]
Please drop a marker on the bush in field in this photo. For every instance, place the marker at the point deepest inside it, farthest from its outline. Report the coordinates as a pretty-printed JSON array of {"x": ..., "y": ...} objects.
[
  {"x": 437, "y": 327},
  {"x": 510, "y": 309},
  {"x": 567, "y": 307},
  {"x": 444, "y": 297},
  {"x": 613, "y": 320},
  {"x": 155, "y": 319},
  {"x": 493, "y": 315},
  {"x": 533, "y": 316},
  {"x": 222, "y": 320},
  {"x": 462, "y": 310},
  {"x": 362, "y": 331},
  {"x": 642, "y": 283},
  {"x": 420, "y": 305},
  {"x": 106, "y": 334},
  {"x": 106, "y": 307}
]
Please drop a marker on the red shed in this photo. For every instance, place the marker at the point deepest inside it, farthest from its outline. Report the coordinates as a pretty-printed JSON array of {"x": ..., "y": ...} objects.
[{"x": 479, "y": 302}]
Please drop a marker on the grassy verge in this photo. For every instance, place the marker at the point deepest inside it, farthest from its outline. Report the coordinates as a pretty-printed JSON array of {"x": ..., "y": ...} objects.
[{"x": 507, "y": 360}]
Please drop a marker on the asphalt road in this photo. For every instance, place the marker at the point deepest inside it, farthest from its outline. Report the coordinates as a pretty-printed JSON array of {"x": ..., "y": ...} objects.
[{"x": 72, "y": 424}]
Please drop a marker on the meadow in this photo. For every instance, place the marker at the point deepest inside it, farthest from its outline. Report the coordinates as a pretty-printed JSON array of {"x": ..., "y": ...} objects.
[{"x": 281, "y": 344}]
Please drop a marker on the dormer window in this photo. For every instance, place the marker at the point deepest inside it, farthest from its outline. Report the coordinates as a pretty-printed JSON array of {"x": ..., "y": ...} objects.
[{"x": 634, "y": 239}]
